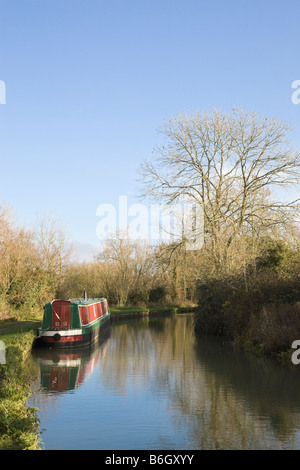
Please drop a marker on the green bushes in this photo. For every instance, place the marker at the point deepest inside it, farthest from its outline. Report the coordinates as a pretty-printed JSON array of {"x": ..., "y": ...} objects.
[
  {"x": 19, "y": 425},
  {"x": 158, "y": 294},
  {"x": 210, "y": 316}
]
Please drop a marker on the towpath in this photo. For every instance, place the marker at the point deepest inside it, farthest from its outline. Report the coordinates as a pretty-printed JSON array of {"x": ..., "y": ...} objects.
[{"x": 20, "y": 324}]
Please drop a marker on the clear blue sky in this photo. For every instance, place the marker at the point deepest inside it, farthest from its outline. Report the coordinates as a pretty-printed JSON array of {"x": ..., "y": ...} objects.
[{"x": 89, "y": 82}]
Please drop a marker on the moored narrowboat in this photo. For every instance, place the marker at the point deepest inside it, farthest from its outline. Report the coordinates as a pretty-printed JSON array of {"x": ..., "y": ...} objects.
[{"x": 74, "y": 322}]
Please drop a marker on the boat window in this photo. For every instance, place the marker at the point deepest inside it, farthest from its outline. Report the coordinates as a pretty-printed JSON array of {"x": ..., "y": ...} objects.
[
  {"x": 103, "y": 305},
  {"x": 84, "y": 315},
  {"x": 98, "y": 310}
]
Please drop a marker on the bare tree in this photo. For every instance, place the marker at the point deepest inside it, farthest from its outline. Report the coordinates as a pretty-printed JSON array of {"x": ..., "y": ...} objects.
[
  {"x": 127, "y": 267},
  {"x": 54, "y": 250},
  {"x": 53, "y": 243},
  {"x": 233, "y": 165}
]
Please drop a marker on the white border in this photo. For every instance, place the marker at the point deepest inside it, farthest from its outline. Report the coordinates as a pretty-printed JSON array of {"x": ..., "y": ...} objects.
[{"x": 61, "y": 332}]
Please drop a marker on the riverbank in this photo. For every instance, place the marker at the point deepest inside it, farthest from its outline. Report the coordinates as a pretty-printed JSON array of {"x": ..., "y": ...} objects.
[
  {"x": 118, "y": 313},
  {"x": 19, "y": 424}
]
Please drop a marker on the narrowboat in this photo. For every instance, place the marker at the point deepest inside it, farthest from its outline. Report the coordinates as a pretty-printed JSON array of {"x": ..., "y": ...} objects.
[{"x": 73, "y": 322}]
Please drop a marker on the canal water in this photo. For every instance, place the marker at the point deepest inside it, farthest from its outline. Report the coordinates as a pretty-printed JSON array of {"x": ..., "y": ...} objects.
[{"x": 149, "y": 384}]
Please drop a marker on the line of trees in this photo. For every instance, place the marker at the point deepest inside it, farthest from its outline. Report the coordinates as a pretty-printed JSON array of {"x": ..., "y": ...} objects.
[
  {"x": 36, "y": 266},
  {"x": 134, "y": 273}
]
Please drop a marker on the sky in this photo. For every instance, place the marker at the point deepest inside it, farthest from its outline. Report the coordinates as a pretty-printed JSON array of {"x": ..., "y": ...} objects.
[{"x": 88, "y": 84}]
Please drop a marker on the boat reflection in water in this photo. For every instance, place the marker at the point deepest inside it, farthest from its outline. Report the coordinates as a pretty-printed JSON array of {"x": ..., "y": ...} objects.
[{"x": 66, "y": 369}]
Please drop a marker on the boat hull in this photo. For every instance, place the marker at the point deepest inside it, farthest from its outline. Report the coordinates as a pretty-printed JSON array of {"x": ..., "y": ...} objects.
[{"x": 72, "y": 338}]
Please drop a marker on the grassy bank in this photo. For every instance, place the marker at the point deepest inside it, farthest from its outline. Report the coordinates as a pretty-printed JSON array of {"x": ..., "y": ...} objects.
[{"x": 19, "y": 425}]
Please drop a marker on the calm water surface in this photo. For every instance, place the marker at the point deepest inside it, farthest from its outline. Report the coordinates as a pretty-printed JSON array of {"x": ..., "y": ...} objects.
[{"x": 149, "y": 384}]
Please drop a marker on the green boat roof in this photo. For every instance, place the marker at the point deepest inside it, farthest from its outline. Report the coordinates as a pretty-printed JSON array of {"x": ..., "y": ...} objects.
[
  {"x": 86, "y": 301},
  {"x": 80, "y": 301}
]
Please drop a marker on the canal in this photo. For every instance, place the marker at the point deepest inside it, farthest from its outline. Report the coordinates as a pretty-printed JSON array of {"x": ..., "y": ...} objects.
[{"x": 149, "y": 384}]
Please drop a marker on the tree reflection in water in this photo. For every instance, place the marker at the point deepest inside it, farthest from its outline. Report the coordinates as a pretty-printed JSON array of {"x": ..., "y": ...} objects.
[
  {"x": 155, "y": 386},
  {"x": 229, "y": 398}
]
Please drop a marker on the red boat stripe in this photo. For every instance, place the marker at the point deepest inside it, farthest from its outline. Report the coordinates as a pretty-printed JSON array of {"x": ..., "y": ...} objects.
[{"x": 63, "y": 339}]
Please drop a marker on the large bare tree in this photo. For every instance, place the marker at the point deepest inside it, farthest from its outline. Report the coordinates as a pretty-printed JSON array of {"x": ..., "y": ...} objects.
[{"x": 233, "y": 165}]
